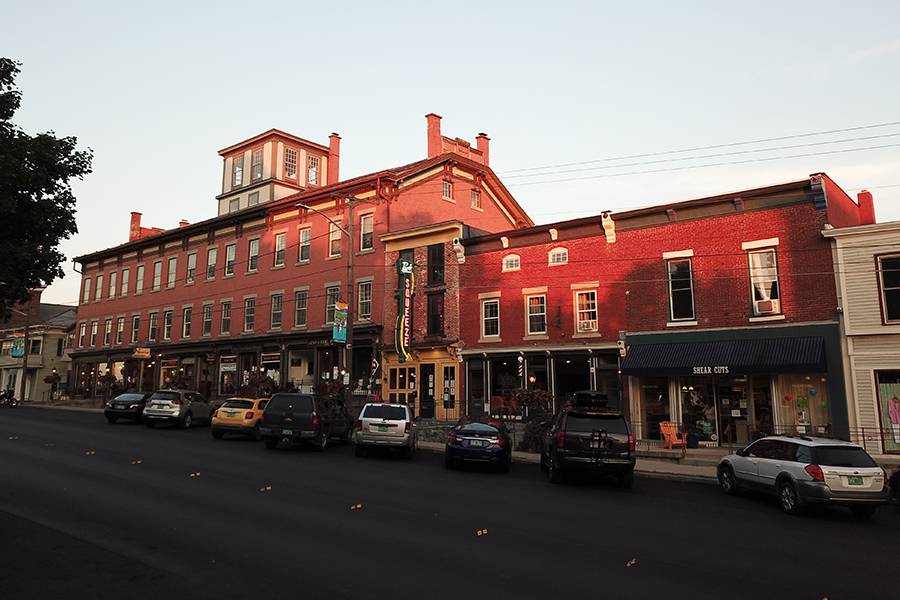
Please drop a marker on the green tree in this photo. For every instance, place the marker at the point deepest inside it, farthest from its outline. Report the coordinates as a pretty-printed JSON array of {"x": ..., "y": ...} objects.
[{"x": 37, "y": 207}]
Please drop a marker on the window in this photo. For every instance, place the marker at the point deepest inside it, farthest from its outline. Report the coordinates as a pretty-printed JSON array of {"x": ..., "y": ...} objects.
[
  {"x": 229, "y": 259},
  {"x": 537, "y": 314},
  {"x": 436, "y": 264},
  {"x": 86, "y": 293},
  {"x": 436, "y": 314},
  {"x": 153, "y": 332},
  {"x": 167, "y": 325},
  {"x": 253, "y": 260},
  {"x": 60, "y": 346},
  {"x": 249, "y": 314},
  {"x": 93, "y": 333},
  {"x": 98, "y": 293},
  {"x": 107, "y": 332},
  {"x": 191, "y": 267},
  {"x": 511, "y": 262},
  {"x": 586, "y": 311},
  {"x": 135, "y": 328},
  {"x": 187, "y": 320},
  {"x": 112, "y": 285},
  {"x": 764, "y": 282},
  {"x": 207, "y": 319},
  {"x": 256, "y": 165},
  {"x": 225, "y": 325},
  {"x": 139, "y": 279},
  {"x": 558, "y": 256},
  {"x": 125, "y": 276},
  {"x": 305, "y": 235},
  {"x": 332, "y": 294},
  {"x": 35, "y": 346},
  {"x": 234, "y": 205},
  {"x": 476, "y": 199},
  {"x": 447, "y": 190},
  {"x": 171, "y": 272},
  {"x": 211, "y": 256},
  {"x": 275, "y": 315},
  {"x": 366, "y": 232},
  {"x": 889, "y": 278},
  {"x": 237, "y": 170},
  {"x": 300, "y": 300},
  {"x": 312, "y": 169},
  {"x": 364, "y": 295},
  {"x": 253, "y": 199},
  {"x": 120, "y": 330},
  {"x": 290, "y": 162},
  {"x": 681, "y": 290},
  {"x": 157, "y": 275},
  {"x": 490, "y": 318},
  {"x": 81, "y": 331},
  {"x": 280, "y": 244},
  {"x": 334, "y": 239}
]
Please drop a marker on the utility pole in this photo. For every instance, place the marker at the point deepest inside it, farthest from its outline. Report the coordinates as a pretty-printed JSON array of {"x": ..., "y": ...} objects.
[
  {"x": 348, "y": 345},
  {"x": 24, "y": 361}
]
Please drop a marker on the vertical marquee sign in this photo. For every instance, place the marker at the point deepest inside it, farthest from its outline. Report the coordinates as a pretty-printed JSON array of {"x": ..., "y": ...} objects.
[{"x": 405, "y": 288}]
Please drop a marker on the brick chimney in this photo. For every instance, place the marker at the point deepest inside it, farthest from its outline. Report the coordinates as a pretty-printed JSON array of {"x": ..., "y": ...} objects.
[
  {"x": 483, "y": 143},
  {"x": 334, "y": 158},
  {"x": 435, "y": 144},
  {"x": 134, "y": 231},
  {"x": 866, "y": 208}
]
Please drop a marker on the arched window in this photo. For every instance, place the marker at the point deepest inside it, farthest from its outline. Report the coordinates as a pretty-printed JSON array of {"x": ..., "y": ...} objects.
[
  {"x": 511, "y": 262},
  {"x": 558, "y": 256}
]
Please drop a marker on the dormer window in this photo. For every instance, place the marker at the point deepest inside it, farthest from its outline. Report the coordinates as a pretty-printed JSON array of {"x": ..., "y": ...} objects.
[
  {"x": 237, "y": 170},
  {"x": 256, "y": 164},
  {"x": 511, "y": 262},
  {"x": 312, "y": 169},
  {"x": 558, "y": 256}
]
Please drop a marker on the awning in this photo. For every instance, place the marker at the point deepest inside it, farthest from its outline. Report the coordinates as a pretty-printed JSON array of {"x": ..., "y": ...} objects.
[{"x": 724, "y": 357}]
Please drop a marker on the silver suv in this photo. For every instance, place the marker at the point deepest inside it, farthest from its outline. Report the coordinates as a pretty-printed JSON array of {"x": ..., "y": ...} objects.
[
  {"x": 182, "y": 407},
  {"x": 386, "y": 425},
  {"x": 807, "y": 470}
]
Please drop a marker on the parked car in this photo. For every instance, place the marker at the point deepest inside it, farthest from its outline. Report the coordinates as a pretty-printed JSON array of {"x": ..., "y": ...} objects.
[
  {"x": 588, "y": 437},
  {"x": 304, "y": 418},
  {"x": 807, "y": 470},
  {"x": 239, "y": 415},
  {"x": 894, "y": 486},
  {"x": 182, "y": 407},
  {"x": 125, "y": 406},
  {"x": 480, "y": 440},
  {"x": 386, "y": 426}
]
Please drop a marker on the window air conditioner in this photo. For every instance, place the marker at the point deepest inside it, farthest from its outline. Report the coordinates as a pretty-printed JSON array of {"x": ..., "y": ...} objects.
[
  {"x": 767, "y": 307},
  {"x": 586, "y": 326}
]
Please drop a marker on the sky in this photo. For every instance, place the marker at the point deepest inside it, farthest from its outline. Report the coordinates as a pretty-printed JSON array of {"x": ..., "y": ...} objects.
[{"x": 156, "y": 89}]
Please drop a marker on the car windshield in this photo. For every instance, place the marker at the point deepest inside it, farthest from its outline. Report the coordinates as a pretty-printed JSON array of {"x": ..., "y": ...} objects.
[
  {"x": 843, "y": 456},
  {"x": 580, "y": 423},
  {"x": 393, "y": 413},
  {"x": 238, "y": 404},
  {"x": 296, "y": 402},
  {"x": 164, "y": 396},
  {"x": 130, "y": 397},
  {"x": 479, "y": 428}
]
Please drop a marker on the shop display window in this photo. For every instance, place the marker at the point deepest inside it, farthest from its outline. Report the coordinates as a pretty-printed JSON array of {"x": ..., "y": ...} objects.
[
  {"x": 804, "y": 405},
  {"x": 655, "y": 409},
  {"x": 889, "y": 409}
]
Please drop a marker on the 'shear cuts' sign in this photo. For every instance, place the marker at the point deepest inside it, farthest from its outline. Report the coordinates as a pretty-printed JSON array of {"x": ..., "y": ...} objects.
[{"x": 710, "y": 370}]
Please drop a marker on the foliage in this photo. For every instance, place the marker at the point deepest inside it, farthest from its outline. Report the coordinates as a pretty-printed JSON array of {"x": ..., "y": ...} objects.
[
  {"x": 259, "y": 385},
  {"x": 37, "y": 206},
  {"x": 52, "y": 378},
  {"x": 537, "y": 408}
]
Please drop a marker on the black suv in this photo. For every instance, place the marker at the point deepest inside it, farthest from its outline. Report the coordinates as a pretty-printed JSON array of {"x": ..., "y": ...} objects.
[
  {"x": 589, "y": 437},
  {"x": 304, "y": 418}
]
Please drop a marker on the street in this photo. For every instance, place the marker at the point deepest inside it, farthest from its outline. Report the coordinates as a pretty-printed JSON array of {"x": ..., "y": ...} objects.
[{"x": 80, "y": 520}]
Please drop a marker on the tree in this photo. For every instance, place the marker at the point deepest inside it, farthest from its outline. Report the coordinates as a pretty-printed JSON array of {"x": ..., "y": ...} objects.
[{"x": 37, "y": 207}]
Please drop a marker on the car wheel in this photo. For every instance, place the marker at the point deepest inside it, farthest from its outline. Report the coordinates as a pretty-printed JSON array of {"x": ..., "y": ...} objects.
[
  {"x": 111, "y": 420},
  {"x": 271, "y": 443},
  {"x": 554, "y": 473},
  {"x": 256, "y": 435},
  {"x": 187, "y": 421},
  {"x": 359, "y": 450},
  {"x": 543, "y": 463},
  {"x": 348, "y": 437},
  {"x": 217, "y": 435},
  {"x": 727, "y": 481},
  {"x": 863, "y": 512},
  {"x": 787, "y": 497}
]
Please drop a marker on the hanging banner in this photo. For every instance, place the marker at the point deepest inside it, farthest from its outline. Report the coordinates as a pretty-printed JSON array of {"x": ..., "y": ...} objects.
[
  {"x": 406, "y": 287},
  {"x": 339, "y": 329}
]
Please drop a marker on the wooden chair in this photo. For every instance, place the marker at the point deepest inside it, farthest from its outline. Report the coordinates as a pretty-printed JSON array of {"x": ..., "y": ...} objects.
[{"x": 671, "y": 436}]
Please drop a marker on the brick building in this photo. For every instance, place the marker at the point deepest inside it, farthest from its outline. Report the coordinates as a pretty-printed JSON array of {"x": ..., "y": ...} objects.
[
  {"x": 254, "y": 288},
  {"x": 726, "y": 307}
]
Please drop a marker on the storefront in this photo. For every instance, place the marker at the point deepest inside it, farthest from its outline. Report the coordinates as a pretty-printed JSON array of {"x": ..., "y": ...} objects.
[
  {"x": 428, "y": 382},
  {"x": 728, "y": 387}
]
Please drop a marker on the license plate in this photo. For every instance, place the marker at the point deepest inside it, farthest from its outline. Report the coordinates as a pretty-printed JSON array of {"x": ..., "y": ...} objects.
[
  {"x": 854, "y": 480},
  {"x": 595, "y": 443},
  {"x": 231, "y": 414},
  {"x": 382, "y": 428},
  {"x": 477, "y": 443},
  {"x": 287, "y": 432}
]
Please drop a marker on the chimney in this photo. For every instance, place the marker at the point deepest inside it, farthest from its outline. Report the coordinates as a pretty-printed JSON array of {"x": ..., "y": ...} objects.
[
  {"x": 334, "y": 158},
  {"x": 183, "y": 223},
  {"x": 435, "y": 145},
  {"x": 134, "y": 231},
  {"x": 483, "y": 142},
  {"x": 866, "y": 208}
]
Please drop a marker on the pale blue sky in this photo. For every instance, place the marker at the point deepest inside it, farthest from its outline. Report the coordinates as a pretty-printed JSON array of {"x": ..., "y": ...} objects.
[{"x": 156, "y": 90}]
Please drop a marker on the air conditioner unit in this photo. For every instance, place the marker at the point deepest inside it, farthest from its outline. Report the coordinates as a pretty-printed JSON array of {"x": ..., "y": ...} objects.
[
  {"x": 767, "y": 307},
  {"x": 587, "y": 326}
]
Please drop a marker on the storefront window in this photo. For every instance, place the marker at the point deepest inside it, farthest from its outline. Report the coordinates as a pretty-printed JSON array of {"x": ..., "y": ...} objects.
[
  {"x": 889, "y": 408},
  {"x": 538, "y": 376},
  {"x": 698, "y": 409},
  {"x": 302, "y": 370},
  {"x": 227, "y": 375},
  {"x": 763, "y": 415},
  {"x": 572, "y": 373},
  {"x": 475, "y": 386},
  {"x": 271, "y": 365},
  {"x": 655, "y": 399},
  {"x": 804, "y": 406},
  {"x": 504, "y": 379}
]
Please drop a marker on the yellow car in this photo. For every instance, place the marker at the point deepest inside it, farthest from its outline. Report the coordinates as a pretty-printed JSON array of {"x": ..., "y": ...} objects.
[{"x": 239, "y": 415}]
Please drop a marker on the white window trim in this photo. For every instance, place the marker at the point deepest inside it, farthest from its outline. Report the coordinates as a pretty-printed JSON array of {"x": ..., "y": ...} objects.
[
  {"x": 301, "y": 243},
  {"x": 483, "y": 302},
  {"x": 672, "y": 319},
  {"x": 359, "y": 283},
  {"x": 334, "y": 227},
  {"x": 283, "y": 236},
  {"x": 582, "y": 289},
  {"x": 758, "y": 244},
  {"x": 449, "y": 198},
  {"x": 550, "y": 254},
  {"x": 362, "y": 216},
  {"x": 258, "y": 248},
  {"x": 678, "y": 254},
  {"x": 780, "y": 313},
  {"x": 535, "y": 334},
  {"x": 505, "y": 269}
]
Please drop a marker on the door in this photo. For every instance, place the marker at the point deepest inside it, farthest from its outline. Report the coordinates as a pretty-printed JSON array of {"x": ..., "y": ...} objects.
[
  {"x": 401, "y": 388},
  {"x": 429, "y": 383},
  {"x": 777, "y": 458},
  {"x": 447, "y": 394},
  {"x": 747, "y": 467}
]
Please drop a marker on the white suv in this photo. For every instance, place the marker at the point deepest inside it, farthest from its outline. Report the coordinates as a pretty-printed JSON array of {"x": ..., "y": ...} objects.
[
  {"x": 807, "y": 470},
  {"x": 386, "y": 425}
]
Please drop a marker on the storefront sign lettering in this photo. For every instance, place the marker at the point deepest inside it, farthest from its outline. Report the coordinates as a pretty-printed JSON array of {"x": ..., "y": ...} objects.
[
  {"x": 270, "y": 357},
  {"x": 721, "y": 370},
  {"x": 141, "y": 353},
  {"x": 403, "y": 334}
]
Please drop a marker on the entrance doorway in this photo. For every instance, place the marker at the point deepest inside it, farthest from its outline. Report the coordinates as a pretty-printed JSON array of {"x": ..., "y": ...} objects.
[
  {"x": 402, "y": 386},
  {"x": 426, "y": 410}
]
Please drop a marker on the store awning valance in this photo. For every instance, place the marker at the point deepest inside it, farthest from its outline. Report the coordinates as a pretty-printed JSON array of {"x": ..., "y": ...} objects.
[{"x": 727, "y": 357}]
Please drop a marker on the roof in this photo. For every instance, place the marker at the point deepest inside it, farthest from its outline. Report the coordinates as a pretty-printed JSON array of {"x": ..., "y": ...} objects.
[
  {"x": 49, "y": 315},
  {"x": 862, "y": 230},
  {"x": 269, "y": 133}
]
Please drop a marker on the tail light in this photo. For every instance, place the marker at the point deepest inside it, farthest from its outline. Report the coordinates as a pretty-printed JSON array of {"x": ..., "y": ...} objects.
[
  {"x": 316, "y": 421},
  {"x": 502, "y": 442},
  {"x": 561, "y": 439},
  {"x": 248, "y": 414},
  {"x": 215, "y": 413},
  {"x": 631, "y": 443},
  {"x": 359, "y": 424},
  {"x": 453, "y": 440},
  {"x": 815, "y": 471},
  {"x": 408, "y": 427}
]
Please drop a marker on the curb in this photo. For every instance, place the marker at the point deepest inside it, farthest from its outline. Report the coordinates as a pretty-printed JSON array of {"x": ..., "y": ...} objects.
[{"x": 84, "y": 409}]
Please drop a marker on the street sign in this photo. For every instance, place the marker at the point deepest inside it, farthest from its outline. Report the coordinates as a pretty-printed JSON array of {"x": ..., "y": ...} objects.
[{"x": 141, "y": 353}]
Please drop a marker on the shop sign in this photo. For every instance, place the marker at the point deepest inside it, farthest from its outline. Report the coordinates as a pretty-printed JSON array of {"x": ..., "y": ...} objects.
[
  {"x": 228, "y": 364},
  {"x": 403, "y": 333},
  {"x": 270, "y": 357},
  {"x": 719, "y": 370},
  {"x": 169, "y": 363},
  {"x": 141, "y": 353},
  {"x": 339, "y": 329},
  {"x": 210, "y": 357}
]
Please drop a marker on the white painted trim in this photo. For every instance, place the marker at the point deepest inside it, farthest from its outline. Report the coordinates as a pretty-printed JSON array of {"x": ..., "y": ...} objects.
[
  {"x": 681, "y": 323},
  {"x": 767, "y": 243},
  {"x": 587, "y": 285},
  {"x": 534, "y": 290},
  {"x": 766, "y": 318},
  {"x": 678, "y": 254},
  {"x": 489, "y": 295}
]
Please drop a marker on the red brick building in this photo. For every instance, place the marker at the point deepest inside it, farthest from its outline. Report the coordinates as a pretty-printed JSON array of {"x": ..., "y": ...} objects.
[
  {"x": 724, "y": 309},
  {"x": 254, "y": 288}
]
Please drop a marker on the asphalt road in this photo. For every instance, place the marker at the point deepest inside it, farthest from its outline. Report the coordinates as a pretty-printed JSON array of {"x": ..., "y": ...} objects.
[{"x": 77, "y": 525}]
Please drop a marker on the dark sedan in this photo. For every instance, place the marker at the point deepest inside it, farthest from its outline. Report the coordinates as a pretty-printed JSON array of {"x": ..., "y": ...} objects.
[
  {"x": 482, "y": 441},
  {"x": 126, "y": 406}
]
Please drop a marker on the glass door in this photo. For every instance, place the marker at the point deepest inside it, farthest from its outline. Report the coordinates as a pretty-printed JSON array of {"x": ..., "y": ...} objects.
[
  {"x": 698, "y": 410},
  {"x": 732, "y": 399},
  {"x": 428, "y": 389}
]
